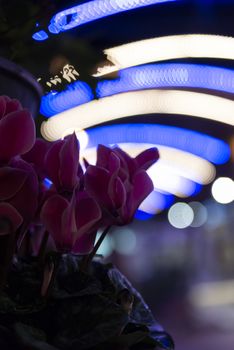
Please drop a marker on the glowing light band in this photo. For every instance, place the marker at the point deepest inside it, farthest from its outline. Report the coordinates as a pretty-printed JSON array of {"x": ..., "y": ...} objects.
[
  {"x": 181, "y": 163},
  {"x": 199, "y": 144},
  {"x": 93, "y": 10},
  {"x": 76, "y": 94},
  {"x": 156, "y": 202},
  {"x": 169, "y": 75},
  {"x": 167, "y": 48},
  {"x": 40, "y": 36},
  {"x": 139, "y": 103},
  {"x": 142, "y": 77}
]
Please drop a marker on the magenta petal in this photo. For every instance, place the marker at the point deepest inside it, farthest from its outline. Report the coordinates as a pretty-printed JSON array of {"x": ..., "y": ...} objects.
[
  {"x": 12, "y": 106},
  {"x": 2, "y": 106},
  {"x": 114, "y": 163},
  {"x": 36, "y": 155},
  {"x": 26, "y": 200},
  {"x": 10, "y": 213},
  {"x": 87, "y": 214},
  {"x": 17, "y": 134},
  {"x": 69, "y": 229},
  {"x": 85, "y": 243},
  {"x": 52, "y": 162},
  {"x": 113, "y": 167},
  {"x": 69, "y": 162},
  {"x": 142, "y": 187},
  {"x": 96, "y": 183},
  {"x": 127, "y": 163},
  {"x": 119, "y": 195},
  {"x": 147, "y": 158},
  {"x": 86, "y": 163},
  {"x": 6, "y": 98},
  {"x": 103, "y": 154},
  {"x": 11, "y": 181},
  {"x": 51, "y": 216}
]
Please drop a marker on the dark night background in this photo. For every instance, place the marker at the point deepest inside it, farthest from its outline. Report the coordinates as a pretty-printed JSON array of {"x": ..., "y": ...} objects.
[{"x": 166, "y": 264}]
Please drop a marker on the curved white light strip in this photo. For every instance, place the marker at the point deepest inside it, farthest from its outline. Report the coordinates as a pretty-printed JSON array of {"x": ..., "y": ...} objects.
[
  {"x": 166, "y": 48},
  {"x": 182, "y": 165},
  {"x": 139, "y": 103}
]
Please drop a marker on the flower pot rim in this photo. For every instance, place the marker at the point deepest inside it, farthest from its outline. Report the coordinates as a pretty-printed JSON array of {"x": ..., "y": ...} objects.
[{"x": 21, "y": 73}]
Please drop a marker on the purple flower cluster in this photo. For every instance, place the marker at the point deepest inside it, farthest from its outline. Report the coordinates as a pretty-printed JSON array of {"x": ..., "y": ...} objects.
[{"x": 78, "y": 202}]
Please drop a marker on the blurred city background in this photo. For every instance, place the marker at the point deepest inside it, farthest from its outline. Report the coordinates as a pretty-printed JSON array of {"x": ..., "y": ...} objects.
[{"x": 141, "y": 74}]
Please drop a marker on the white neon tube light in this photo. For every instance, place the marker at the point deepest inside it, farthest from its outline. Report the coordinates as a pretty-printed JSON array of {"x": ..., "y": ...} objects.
[
  {"x": 139, "y": 103},
  {"x": 166, "y": 48}
]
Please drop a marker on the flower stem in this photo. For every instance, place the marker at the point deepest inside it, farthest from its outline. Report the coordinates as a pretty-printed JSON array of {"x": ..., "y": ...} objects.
[
  {"x": 42, "y": 249},
  {"x": 88, "y": 258},
  {"x": 50, "y": 271}
]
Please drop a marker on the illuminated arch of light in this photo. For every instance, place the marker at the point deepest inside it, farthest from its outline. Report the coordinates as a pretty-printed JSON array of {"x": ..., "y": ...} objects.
[
  {"x": 141, "y": 77},
  {"x": 91, "y": 11},
  {"x": 169, "y": 75},
  {"x": 167, "y": 48},
  {"x": 207, "y": 147},
  {"x": 55, "y": 102},
  {"x": 139, "y": 103}
]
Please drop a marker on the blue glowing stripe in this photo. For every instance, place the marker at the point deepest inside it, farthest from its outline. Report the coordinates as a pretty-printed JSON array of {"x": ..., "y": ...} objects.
[
  {"x": 142, "y": 215},
  {"x": 202, "y": 145},
  {"x": 47, "y": 183},
  {"x": 169, "y": 75},
  {"x": 76, "y": 94},
  {"x": 93, "y": 10},
  {"x": 139, "y": 78},
  {"x": 40, "y": 36},
  {"x": 161, "y": 202}
]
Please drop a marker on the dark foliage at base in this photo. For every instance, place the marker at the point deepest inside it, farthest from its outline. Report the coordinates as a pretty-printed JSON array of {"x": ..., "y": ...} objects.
[{"x": 99, "y": 310}]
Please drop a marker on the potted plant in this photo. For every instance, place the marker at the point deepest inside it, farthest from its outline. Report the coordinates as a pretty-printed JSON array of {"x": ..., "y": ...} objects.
[{"x": 54, "y": 294}]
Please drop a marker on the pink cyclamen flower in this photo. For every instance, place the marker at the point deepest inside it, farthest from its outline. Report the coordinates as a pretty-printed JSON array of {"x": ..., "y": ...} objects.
[
  {"x": 62, "y": 163},
  {"x": 17, "y": 129},
  {"x": 120, "y": 183},
  {"x": 69, "y": 222}
]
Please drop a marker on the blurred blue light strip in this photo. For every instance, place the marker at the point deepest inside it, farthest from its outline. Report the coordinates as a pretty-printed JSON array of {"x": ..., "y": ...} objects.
[
  {"x": 202, "y": 145},
  {"x": 47, "y": 183},
  {"x": 93, "y": 10},
  {"x": 142, "y": 77},
  {"x": 154, "y": 203},
  {"x": 40, "y": 36},
  {"x": 76, "y": 94},
  {"x": 169, "y": 75},
  {"x": 142, "y": 215}
]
